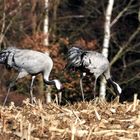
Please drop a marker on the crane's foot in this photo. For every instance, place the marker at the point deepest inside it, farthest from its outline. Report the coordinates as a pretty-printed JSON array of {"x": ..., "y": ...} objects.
[
  {"x": 99, "y": 100},
  {"x": 59, "y": 97},
  {"x": 33, "y": 100}
]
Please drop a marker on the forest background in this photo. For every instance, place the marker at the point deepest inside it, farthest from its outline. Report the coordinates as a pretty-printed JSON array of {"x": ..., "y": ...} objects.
[{"x": 71, "y": 22}]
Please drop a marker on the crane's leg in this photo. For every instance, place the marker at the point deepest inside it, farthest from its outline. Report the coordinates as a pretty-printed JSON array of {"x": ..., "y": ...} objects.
[
  {"x": 81, "y": 84},
  {"x": 81, "y": 87},
  {"x": 9, "y": 88},
  {"x": 20, "y": 75},
  {"x": 60, "y": 97},
  {"x": 48, "y": 94},
  {"x": 31, "y": 90},
  {"x": 95, "y": 82},
  {"x": 94, "y": 89}
]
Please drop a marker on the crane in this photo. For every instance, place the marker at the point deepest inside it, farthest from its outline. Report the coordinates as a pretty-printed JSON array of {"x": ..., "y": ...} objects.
[
  {"x": 28, "y": 62},
  {"x": 90, "y": 62}
]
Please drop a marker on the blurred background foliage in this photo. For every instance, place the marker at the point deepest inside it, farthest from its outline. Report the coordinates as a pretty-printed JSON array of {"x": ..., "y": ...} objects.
[{"x": 71, "y": 22}]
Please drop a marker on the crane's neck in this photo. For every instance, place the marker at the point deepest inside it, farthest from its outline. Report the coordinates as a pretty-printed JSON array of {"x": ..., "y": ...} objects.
[
  {"x": 55, "y": 82},
  {"x": 110, "y": 82},
  {"x": 116, "y": 87}
]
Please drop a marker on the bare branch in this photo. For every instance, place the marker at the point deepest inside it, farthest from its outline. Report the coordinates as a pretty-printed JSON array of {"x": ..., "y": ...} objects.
[
  {"x": 133, "y": 63},
  {"x": 127, "y": 66},
  {"x": 121, "y": 13},
  {"x": 70, "y": 17},
  {"x": 122, "y": 49},
  {"x": 137, "y": 76},
  {"x": 139, "y": 15}
]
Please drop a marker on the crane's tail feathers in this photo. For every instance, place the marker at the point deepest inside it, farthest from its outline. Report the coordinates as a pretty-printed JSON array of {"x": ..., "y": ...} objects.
[
  {"x": 3, "y": 56},
  {"x": 6, "y": 56},
  {"x": 73, "y": 52},
  {"x": 74, "y": 57},
  {"x": 116, "y": 87}
]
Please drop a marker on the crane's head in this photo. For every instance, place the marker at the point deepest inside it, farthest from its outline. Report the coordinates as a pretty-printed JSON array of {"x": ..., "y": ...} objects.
[
  {"x": 58, "y": 84},
  {"x": 118, "y": 88}
]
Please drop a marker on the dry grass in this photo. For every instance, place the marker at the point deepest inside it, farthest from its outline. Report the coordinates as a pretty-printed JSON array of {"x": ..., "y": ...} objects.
[{"x": 80, "y": 121}]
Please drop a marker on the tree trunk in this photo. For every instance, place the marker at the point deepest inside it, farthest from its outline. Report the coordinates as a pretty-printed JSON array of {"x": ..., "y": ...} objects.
[
  {"x": 54, "y": 18},
  {"x": 33, "y": 16},
  {"x": 106, "y": 43},
  {"x": 46, "y": 43},
  {"x": 46, "y": 23}
]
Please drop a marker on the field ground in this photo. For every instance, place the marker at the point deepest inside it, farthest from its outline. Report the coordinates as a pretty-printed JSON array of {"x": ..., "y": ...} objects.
[{"x": 94, "y": 120}]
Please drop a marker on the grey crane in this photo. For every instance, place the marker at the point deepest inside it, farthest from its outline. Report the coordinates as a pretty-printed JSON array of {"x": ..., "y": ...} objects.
[
  {"x": 90, "y": 62},
  {"x": 28, "y": 62}
]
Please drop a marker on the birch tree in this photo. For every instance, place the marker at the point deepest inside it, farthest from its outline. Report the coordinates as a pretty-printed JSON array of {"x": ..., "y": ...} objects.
[
  {"x": 46, "y": 23},
  {"x": 46, "y": 43},
  {"x": 106, "y": 43}
]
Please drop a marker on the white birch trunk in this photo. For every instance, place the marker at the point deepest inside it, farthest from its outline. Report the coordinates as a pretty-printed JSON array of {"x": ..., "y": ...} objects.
[
  {"x": 106, "y": 43},
  {"x": 46, "y": 43},
  {"x": 46, "y": 23}
]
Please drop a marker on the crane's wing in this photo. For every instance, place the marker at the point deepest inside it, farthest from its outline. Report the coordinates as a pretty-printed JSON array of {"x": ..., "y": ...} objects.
[
  {"x": 95, "y": 62},
  {"x": 32, "y": 61}
]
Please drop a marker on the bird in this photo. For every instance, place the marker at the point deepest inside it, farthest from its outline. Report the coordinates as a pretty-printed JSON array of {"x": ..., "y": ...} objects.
[
  {"x": 90, "y": 62},
  {"x": 28, "y": 62}
]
